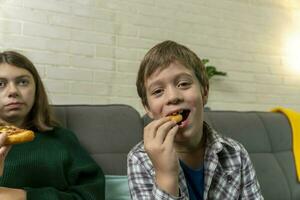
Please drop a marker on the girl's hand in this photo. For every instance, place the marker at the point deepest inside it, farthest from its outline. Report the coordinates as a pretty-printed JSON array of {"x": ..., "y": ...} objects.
[
  {"x": 3, "y": 152},
  {"x": 159, "y": 144},
  {"x": 12, "y": 194}
]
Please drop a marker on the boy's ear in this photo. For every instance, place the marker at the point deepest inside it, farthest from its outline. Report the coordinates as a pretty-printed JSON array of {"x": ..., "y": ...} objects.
[
  {"x": 205, "y": 96},
  {"x": 149, "y": 113}
]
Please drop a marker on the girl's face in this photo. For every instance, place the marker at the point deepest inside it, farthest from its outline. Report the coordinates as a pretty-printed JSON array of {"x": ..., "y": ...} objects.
[{"x": 17, "y": 94}]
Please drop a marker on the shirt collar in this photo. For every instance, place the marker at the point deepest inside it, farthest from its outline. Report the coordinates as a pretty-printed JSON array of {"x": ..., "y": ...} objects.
[{"x": 214, "y": 141}]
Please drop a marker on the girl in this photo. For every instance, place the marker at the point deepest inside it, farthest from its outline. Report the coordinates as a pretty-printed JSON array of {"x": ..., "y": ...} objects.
[{"x": 54, "y": 165}]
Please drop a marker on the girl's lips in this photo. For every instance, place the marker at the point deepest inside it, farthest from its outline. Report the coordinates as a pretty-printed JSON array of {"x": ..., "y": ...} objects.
[{"x": 14, "y": 105}]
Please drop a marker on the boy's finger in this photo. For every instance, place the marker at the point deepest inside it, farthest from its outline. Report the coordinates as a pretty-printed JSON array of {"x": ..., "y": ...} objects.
[
  {"x": 158, "y": 122},
  {"x": 151, "y": 129},
  {"x": 169, "y": 140},
  {"x": 163, "y": 131}
]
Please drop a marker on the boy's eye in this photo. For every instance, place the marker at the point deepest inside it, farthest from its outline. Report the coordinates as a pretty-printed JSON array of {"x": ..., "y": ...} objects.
[
  {"x": 157, "y": 92},
  {"x": 184, "y": 84}
]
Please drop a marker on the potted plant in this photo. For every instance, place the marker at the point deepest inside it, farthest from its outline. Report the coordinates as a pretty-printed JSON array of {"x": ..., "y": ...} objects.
[{"x": 212, "y": 70}]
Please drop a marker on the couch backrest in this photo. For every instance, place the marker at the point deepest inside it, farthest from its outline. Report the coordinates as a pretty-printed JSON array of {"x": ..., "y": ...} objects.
[
  {"x": 268, "y": 139},
  {"x": 107, "y": 132}
]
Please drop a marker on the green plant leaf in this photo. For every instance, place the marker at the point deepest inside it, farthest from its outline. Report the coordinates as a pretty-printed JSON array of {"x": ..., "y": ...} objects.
[{"x": 212, "y": 70}]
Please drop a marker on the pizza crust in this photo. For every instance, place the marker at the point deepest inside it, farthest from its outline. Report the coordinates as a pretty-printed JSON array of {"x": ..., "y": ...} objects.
[{"x": 16, "y": 135}]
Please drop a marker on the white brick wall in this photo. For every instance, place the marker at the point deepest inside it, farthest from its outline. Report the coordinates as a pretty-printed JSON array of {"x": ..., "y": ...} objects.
[{"x": 88, "y": 51}]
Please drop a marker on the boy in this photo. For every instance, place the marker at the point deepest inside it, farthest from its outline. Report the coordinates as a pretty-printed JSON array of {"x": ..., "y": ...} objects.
[{"x": 187, "y": 159}]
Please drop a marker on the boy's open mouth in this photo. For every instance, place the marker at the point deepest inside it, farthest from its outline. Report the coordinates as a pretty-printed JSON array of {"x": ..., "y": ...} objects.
[{"x": 184, "y": 113}]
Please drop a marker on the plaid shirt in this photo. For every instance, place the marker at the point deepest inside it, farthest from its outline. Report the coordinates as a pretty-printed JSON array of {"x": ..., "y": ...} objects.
[{"x": 228, "y": 171}]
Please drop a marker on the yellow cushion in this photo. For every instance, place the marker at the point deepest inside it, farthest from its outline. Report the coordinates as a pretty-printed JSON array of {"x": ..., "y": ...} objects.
[{"x": 294, "y": 119}]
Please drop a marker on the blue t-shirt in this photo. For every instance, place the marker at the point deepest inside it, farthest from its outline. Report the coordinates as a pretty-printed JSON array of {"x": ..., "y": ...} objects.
[{"x": 195, "y": 181}]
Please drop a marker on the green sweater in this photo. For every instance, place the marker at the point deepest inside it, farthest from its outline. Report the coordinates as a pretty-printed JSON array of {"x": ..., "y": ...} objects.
[{"x": 53, "y": 166}]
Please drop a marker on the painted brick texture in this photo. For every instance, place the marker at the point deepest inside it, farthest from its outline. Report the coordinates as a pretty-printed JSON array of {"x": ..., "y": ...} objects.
[{"x": 88, "y": 52}]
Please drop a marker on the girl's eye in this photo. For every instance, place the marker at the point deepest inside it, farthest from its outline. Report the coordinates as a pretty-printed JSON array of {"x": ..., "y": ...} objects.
[
  {"x": 2, "y": 84},
  {"x": 23, "y": 82}
]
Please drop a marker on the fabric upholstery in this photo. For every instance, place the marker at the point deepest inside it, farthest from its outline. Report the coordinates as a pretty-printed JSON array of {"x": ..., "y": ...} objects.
[
  {"x": 267, "y": 137},
  {"x": 294, "y": 120},
  {"x": 108, "y": 132},
  {"x": 116, "y": 188}
]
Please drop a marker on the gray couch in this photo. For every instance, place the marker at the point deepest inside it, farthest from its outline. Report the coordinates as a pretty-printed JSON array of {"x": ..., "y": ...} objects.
[{"x": 108, "y": 132}]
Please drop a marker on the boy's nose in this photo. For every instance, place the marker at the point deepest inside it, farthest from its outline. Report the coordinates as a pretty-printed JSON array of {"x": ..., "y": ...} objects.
[{"x": 174, "y": 96}]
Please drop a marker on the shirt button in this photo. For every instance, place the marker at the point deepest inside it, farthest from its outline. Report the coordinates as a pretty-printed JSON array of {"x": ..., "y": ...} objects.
[{"x": 229, "y": 179}]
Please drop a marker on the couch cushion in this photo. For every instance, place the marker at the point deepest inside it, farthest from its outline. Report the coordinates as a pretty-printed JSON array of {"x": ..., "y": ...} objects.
[
  {"x": 246, "y": 128},
  {"x": 267, "y": 138},
  {"x": 107, "y": 132},
  {"x": 116, "y": 188},
  {"x": 271, "y": 177}
]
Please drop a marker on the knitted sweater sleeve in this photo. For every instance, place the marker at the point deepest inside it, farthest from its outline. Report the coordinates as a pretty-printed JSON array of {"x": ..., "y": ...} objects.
[{"x": 85, "y": 178}]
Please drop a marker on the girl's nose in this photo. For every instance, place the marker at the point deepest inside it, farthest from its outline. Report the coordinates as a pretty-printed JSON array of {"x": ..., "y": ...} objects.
[{"x": 12, "y": 90}]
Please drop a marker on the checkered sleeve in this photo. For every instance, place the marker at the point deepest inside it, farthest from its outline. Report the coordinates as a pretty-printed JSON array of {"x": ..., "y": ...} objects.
[
  {"x": 250, "y": 189},
  {"x": 141, "y": 180}
]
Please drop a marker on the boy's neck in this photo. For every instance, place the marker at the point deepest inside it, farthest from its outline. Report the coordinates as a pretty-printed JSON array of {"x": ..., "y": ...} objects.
[{"x": 193, "y": 158}]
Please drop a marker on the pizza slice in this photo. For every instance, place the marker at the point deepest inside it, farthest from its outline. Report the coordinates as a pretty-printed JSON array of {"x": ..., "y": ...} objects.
[{"x": 16, "y": 135}]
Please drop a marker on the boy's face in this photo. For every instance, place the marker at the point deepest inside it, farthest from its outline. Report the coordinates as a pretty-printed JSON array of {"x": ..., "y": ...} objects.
[{"x": 176, "y": 89}]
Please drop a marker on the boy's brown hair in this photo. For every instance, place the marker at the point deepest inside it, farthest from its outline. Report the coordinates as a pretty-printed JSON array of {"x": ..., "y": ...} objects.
[
  {"x": 161, "y": 56},
  {"x": 40, "y": 116}
]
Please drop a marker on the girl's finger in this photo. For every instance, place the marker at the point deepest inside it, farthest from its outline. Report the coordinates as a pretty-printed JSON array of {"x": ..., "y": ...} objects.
[{"x": 2, "y": 138}]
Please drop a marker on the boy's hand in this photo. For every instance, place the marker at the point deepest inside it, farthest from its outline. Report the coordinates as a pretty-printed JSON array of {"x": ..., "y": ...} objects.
[
  {"x": 159, "y": 144},
  {"x": 3, "y": 152}
]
